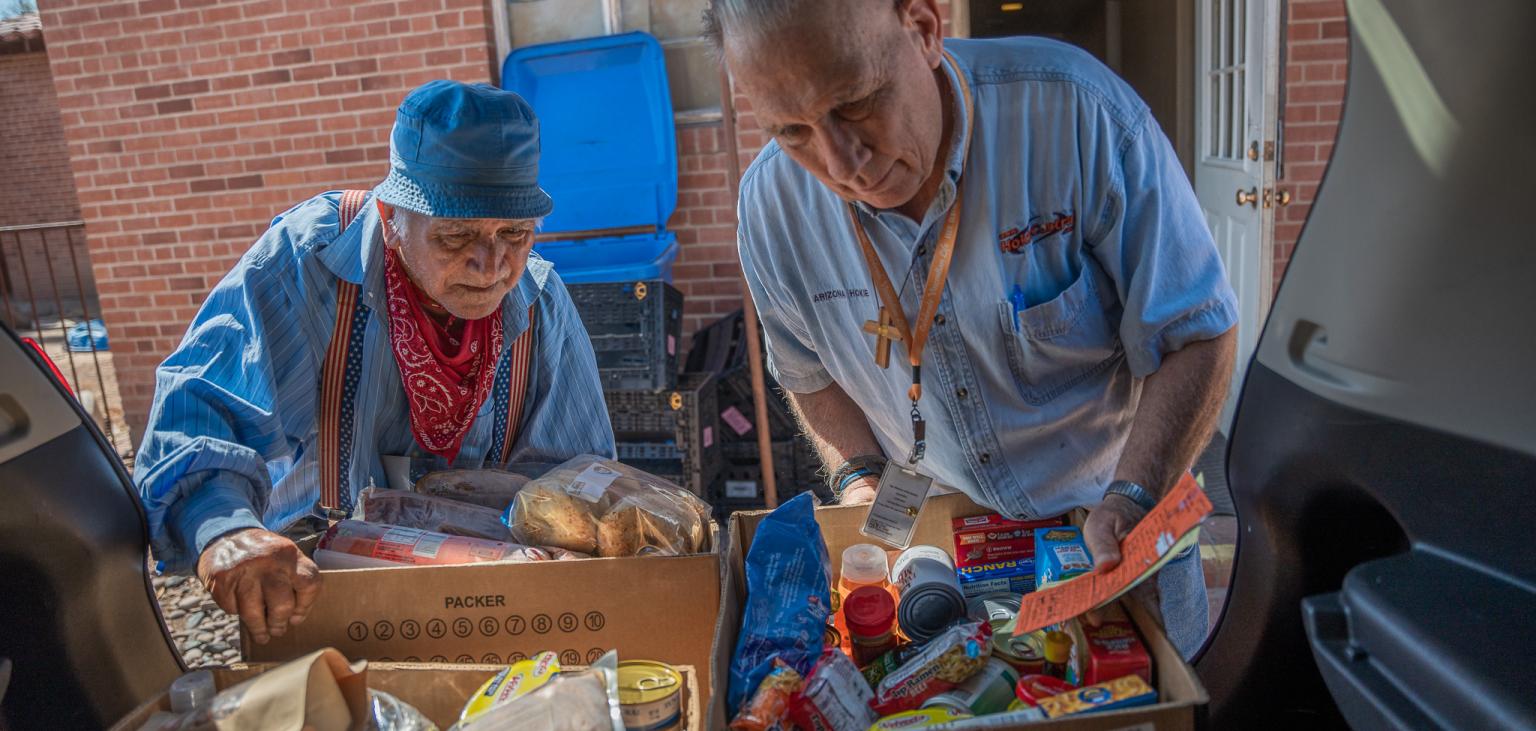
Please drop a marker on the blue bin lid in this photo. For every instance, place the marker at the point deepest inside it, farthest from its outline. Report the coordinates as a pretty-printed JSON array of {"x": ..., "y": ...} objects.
[{"x": 609, "y": 154}]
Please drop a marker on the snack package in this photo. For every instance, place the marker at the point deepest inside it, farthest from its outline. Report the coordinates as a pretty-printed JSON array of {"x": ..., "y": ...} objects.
[
  {"x": 493, "y": 489},
  {"x": 597, "y": 506},
  {"x": 427, "y": 512},
  {"x": 1108, "y": 651},
  {"x": 355, "y": 544},
  {"x": 946, "y": 661},
  {"x": 513, "y": 682},
  {"x": 1060, "y": 554},
  {"x": 1127, "y": 692},
  {"x": 769, "y": 706},
  {"x": 789, "y": 578},
  {"x": 581, "y": 700},
  {"x": 930, "y": 718},
  {"x": 835, "y": 698},
  {"x": 1035, "y": 688}
]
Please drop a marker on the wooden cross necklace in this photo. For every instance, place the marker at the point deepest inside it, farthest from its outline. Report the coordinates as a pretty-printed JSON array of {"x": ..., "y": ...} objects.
[{"x": 893, "y": 325}]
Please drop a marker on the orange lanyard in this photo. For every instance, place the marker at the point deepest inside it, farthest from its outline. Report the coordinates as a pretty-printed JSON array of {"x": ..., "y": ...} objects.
[{"x": 893, "y": 324}]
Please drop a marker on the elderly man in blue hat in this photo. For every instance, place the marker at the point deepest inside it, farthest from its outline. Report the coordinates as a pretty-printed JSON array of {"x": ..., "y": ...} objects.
[{"x": 412, "y": 320}]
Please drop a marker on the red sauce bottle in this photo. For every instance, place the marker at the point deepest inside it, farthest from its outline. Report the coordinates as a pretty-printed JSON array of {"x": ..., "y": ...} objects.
[{"x": 870, "y": 614}]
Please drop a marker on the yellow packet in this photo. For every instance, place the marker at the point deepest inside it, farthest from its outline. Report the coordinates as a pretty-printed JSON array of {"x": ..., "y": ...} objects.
[{"x": 512, "y": 682}]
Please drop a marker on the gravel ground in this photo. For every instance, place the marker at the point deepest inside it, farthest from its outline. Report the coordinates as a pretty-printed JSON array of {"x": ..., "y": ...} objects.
[{"x": 204, "y": 634}]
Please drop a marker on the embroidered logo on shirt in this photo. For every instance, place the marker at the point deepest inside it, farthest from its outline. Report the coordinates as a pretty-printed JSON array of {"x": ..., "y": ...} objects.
[{"x": 1015, "y": 239}]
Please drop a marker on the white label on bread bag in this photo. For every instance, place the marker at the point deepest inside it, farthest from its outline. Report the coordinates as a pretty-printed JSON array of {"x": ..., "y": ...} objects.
[{"x": 592, "y": 482}]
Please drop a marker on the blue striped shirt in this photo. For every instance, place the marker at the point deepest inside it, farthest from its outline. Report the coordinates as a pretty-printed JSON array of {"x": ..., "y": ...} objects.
[{"x": 232, "y": 440}]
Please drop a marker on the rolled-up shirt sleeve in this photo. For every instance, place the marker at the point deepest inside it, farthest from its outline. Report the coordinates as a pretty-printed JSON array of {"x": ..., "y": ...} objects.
[
  {"x": 792, "y": 359},
  {"x": 1152, "y": 239},
  {"x": 202, "y": 469}
]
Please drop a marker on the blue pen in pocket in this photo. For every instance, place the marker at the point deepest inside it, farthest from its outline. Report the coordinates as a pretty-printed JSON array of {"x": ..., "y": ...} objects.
[{"x": 1017, "y": 298}]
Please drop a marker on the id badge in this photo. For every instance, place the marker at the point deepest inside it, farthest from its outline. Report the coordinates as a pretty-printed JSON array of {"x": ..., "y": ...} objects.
[{"x": 898, "y": 501}]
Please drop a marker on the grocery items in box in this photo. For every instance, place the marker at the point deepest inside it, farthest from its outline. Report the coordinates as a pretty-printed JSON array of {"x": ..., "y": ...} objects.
[
  {"x": 923, "y": 718},
  {"x": 1058, "y": 653},
  {"x": 1026, "y": 652},
  {"x": 987, "y": 692},
  {"x": 1031, "y": 689},
  {"x": 581, "y": 700},
  {"x": 1060, "y": 554},
  {"x": 1127, "y": 692},
  {"x": 768, "y": 708},
  {"x": 947, "y": 660},
  {"x": 512, "y": 682},
  {"x": 870, "y": 615},
  {"x": 863, "y": 564},
  {"x": 1111, "y": 649},
  {"x": 998, "y": 605},
  {"x": 789, "y": 579},
  {"x": 488, "y": 488},
  {"x": 601, "y": 507},
  {"x": 835, "y": 697},
  {"x": 355, "y": 544},
  {"x": 986, "y": 539},
  {"x": 930, "y": 592},
  {"x": 650, "y": 695},
  {"x": 1010, "y": 576},
  {"x": 429, "y": 512}
]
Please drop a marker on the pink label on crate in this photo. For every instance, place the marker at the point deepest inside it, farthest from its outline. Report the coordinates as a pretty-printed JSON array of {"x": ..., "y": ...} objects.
[
  {"x": 736, "y": 421},
  {"x": 671, "y": 345},
  {"x": 709, "y": 436}
]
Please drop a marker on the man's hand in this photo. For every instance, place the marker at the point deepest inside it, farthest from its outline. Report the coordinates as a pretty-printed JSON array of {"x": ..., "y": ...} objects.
[
  {"x": 1108, "y": 525},
  {"x": 860, "y": 492},
  {"x": 263, "y": 577}
]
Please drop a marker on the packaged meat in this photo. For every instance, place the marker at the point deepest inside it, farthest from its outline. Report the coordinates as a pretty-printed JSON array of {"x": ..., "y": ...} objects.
[
  {"x": 946, "y": 661},
  {"x": 487, "y": 488},
  {"x": 428, "y": 512},
  {"x": 597, "y": 506},
  {"x": 395, "y": 545},
  {"x": 836, "y": 697}
]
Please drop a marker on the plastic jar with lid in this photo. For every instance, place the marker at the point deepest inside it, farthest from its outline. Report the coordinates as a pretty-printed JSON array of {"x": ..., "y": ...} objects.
[{"x": 870, "y": 614}]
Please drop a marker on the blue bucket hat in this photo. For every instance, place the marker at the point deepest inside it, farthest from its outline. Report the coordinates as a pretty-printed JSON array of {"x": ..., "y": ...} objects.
[{"x": 465, "y": 151}]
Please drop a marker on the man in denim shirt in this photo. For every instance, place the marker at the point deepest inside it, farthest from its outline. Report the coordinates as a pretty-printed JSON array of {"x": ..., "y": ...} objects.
[{"x": 1083, "y": 344}]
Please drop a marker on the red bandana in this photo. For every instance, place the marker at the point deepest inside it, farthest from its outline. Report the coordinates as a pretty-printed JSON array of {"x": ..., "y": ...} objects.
[{"x": 446, "y": 375}]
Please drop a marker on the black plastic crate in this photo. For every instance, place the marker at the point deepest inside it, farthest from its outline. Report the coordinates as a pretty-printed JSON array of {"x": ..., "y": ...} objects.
[
  {"x": 719, "y": 347},
  {"x": 793, "y": 470},
  {"x": 738, "y": 418},
  {"x": 634, "y": 328},
  {"x": 646, "y": 415},
  {"x": 668, "y": 460}
]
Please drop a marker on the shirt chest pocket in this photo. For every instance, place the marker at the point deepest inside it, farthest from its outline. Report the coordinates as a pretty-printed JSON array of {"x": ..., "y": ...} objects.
[{"x": 1058, "y": 344}]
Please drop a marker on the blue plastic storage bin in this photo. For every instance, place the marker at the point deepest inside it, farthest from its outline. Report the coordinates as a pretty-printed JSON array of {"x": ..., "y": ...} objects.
[{"x": 609, "y": 156}]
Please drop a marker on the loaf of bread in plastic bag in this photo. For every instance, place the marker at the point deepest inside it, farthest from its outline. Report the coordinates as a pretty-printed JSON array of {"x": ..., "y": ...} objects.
[{"x": 599, "y": 506}]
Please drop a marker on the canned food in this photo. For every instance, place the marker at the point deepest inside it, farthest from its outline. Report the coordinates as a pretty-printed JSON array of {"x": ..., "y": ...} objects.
[
  {"x": 985, "y": 693},
  {"x": 650, "y": 695},
  {"x": 989, "y": 607},
  {"x": 831, "y": 638},
  {"x": 1026, "y": 653}
]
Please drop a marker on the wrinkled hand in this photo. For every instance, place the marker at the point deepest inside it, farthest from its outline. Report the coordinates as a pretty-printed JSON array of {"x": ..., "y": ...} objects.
[
  {"x": 1108, "y": 525},
  {"x": 860, "y": 492},
  {"x": 263, "y": 577}
]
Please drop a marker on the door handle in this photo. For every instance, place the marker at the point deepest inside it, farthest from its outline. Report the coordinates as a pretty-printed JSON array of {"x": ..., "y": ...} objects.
[{"x": 1248, "y": 197}]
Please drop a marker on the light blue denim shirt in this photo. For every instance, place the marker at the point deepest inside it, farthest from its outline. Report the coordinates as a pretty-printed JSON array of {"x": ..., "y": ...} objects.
[
  {"x": 1082, "y": 259},
  {"x": 232, "y": 436}
]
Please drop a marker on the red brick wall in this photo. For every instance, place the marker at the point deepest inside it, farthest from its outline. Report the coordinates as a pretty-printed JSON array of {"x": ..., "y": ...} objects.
[
  {"x": 192, "y": 122},
  {"x": 1317, "y": 50},
  {"x": 36, "y": 266}
]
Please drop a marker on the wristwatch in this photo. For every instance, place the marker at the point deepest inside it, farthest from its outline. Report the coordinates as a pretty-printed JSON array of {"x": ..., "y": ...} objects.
[{"x": 1133, "y": 492}]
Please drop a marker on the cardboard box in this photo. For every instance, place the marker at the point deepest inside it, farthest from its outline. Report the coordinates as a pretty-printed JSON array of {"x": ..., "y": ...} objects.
[
  {"x": 438, "y": 691},
  {"x": 1182, "y": 697},
  {"x": 647, "y": 608}
]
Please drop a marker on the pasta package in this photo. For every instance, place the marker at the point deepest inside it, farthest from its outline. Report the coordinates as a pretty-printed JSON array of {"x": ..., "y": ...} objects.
[
  {"x": 430, "y": 513},
  {"x": 597, "y": 506}
]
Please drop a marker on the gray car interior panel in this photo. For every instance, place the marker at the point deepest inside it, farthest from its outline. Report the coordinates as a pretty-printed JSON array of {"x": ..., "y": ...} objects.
[
  {"x": 1384, "y": 447},
  {"x": 78, "y": 617}
]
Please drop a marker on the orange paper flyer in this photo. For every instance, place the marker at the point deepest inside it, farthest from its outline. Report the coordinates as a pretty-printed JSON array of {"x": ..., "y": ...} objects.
[{"x": 1168, "y": 529}]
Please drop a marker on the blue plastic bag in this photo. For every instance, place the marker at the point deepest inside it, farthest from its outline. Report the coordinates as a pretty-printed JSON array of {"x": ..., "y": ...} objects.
[{"x": 789, "y": 581}]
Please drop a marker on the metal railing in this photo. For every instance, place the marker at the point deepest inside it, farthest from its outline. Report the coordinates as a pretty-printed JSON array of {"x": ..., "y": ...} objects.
[{"x": 23, "y": 285}]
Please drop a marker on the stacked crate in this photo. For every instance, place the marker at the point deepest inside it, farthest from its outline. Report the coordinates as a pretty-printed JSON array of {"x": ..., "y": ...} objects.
[
  {"x": 665, "y": 425},
  {"x": 721, "y": 349}
]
